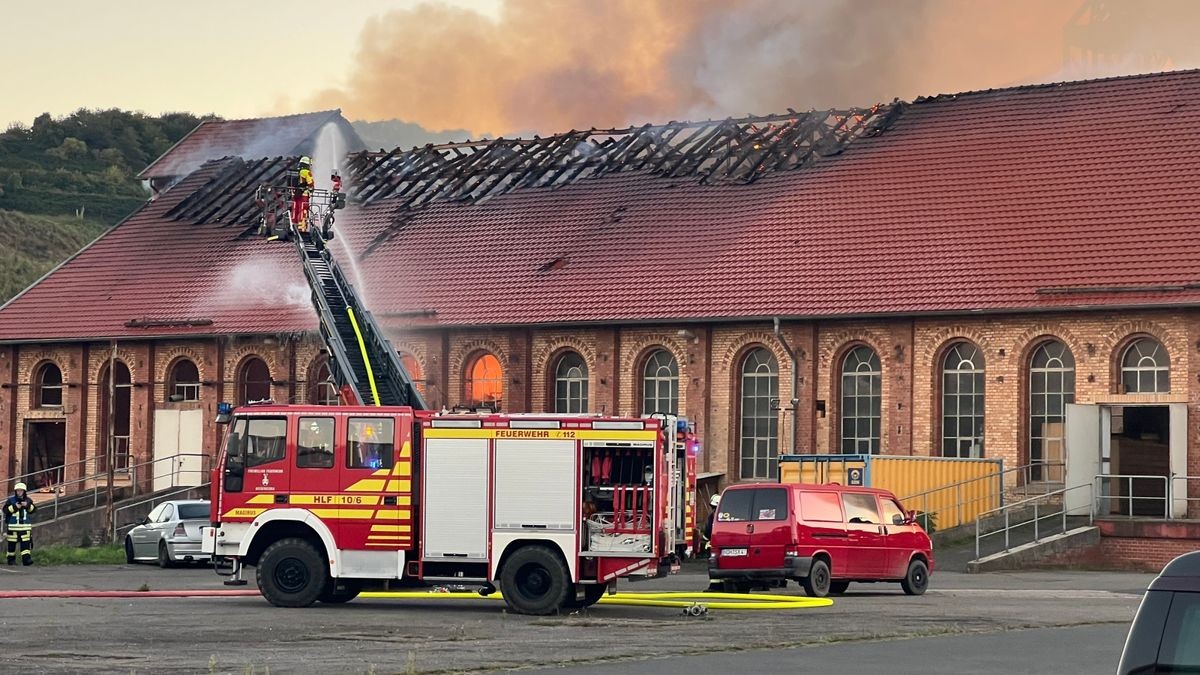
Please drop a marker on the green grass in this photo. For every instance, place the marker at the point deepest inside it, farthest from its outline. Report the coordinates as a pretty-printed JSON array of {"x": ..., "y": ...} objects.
[
  {"x": 74, "y": 555},
  {"x": 31, "y": 245}
]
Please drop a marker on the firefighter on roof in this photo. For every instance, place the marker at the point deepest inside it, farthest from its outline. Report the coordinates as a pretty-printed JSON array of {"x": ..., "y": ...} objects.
[
  {"x": 19, "y": 530},
  {"x": 302, "y": 185}
]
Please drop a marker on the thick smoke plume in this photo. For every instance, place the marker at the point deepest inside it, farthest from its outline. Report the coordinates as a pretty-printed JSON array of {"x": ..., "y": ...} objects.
[{"x": 550, "y": 65}]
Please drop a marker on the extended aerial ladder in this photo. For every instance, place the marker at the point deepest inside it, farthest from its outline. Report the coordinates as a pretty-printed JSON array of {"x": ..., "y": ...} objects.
[{"x": 365, "y": 368}]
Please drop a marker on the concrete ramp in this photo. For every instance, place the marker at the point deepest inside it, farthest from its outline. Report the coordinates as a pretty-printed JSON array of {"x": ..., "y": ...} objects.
[{"x": 1028, "y": 555}]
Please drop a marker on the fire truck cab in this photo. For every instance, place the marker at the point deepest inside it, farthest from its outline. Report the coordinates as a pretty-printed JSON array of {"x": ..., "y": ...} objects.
[{"x": 325, "y": 501}]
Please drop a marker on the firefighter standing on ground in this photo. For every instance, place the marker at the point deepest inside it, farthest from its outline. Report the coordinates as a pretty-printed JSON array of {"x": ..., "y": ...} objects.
[
  {"x": 19, "y": 530},
  {"x": 708, "y": 524},
  {"x": 302, "y": 185}
]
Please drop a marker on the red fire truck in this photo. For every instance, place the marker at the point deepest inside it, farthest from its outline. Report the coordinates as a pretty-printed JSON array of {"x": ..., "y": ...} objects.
[{"x": 327, "y": 500}]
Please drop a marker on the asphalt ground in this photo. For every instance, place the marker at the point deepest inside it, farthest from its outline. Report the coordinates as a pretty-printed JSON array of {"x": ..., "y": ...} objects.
[{"x": 1058, "y": 622}]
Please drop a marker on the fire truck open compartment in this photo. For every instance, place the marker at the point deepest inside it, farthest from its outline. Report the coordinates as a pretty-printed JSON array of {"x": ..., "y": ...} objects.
[{"x": 618, "y": 497}]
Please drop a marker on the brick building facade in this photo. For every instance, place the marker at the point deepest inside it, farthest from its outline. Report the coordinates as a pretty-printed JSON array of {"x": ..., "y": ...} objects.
[{"x": 711, "y": 362}]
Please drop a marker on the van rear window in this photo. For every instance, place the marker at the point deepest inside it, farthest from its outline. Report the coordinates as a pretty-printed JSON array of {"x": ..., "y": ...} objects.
[
  {"x": 821, "y": 507},
  {"x": 770, "y": 504},
  {"x": 736, "y": 505}
]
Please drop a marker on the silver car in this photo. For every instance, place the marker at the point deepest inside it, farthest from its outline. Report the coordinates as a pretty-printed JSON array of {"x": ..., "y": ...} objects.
[{"x": 170, "y": 534}]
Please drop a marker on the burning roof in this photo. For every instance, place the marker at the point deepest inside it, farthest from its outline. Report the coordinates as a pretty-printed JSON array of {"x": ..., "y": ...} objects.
[
  {"x": 731, "y": 150},
  {"x": 1058, "y": 197},
  {"x": 736, "y": 150}
]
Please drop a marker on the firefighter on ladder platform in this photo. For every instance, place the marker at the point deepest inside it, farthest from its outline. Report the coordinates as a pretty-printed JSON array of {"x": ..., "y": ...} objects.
[
  {"x": 19, "y": 530},
  {"x": 302, "y": 185}
]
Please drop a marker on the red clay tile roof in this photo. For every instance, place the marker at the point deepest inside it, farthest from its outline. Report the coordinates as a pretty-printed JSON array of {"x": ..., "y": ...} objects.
[
  {"x": 1047, "y": 197},
  {"x": 249, "y": 138},
  {"x": 151, "y": 269}
]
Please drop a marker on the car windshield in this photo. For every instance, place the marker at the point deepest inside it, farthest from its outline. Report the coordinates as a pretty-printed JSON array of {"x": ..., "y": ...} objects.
[{"x": 193, "y": 512}]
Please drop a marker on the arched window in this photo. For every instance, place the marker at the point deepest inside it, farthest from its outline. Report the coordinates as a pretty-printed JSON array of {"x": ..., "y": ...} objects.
[
  {"x": 321, "y": 389},
  {"x": 115, "y": 393},
  {"x": 862, "y": 401},
  {"x": 485, "y": 380},
  {"x": 254, "y": 381},
  {"x": 1146, "y": 368},
  {"x": 759, "y": 425},
  {"x": 1051, "y": 388},
  {"x": 183, "y": 383},
  {"x": 962, "y": 401},
  {"x": 571, "y": 384},
  {"x": 413, "y": 367},
  {"x": 660, "y": 384},
  {"x": 49, "y": 383}
]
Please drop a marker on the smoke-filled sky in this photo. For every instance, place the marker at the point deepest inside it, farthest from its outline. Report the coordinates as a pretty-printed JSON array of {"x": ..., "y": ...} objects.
[{"x": 505, "y": 66}]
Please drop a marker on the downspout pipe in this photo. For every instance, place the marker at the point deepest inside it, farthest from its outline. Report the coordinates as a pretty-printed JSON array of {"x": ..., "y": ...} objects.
[{"x": 795, "y": 385}]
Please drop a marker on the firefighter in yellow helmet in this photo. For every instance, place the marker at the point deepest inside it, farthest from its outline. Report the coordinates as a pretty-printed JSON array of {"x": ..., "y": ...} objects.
[
  {"x": 17, "y": 525},
  {"x": 302, "y": 185}
]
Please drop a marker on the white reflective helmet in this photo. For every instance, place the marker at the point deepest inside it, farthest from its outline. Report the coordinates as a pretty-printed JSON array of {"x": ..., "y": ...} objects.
[
  {"x": 716, "y": 499},
  {"x": 18, "y": 486}
]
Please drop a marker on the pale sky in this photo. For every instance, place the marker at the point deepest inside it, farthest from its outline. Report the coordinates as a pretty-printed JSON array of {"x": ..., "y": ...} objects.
[{"x": 234, "y": 58}]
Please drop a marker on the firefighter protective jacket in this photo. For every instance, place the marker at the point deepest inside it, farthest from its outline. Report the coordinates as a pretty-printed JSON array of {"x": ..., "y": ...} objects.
[
  {"x": 18, "y": 517},
  {"x": 304, "y": 180}
]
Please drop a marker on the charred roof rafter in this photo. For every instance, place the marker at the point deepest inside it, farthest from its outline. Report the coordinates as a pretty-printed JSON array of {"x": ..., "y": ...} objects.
[
  {"x": 733, "y": 150},
  {"x": 730, "y": 150}
]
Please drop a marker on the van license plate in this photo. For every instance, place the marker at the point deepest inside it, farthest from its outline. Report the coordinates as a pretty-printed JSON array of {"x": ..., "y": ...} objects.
[{"x": 733, "y": 552}]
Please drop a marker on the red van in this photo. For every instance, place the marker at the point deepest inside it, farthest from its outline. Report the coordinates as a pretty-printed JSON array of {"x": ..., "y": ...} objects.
[{"x": 822, "y": 536}]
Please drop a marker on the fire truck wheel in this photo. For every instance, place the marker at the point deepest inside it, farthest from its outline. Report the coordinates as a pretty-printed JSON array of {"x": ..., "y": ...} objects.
[
  {"x": 838, "y": 587},
  {"x": 338, "y": 592},
  {"x": 292, "y": 574},
  {"x": 535, "y": 581}
]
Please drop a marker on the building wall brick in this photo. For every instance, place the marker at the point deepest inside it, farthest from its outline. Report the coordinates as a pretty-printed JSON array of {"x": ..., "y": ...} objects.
[{"x": 709, "y": 358}]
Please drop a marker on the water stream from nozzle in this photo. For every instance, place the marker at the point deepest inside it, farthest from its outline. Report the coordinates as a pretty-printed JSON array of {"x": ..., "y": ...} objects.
[{"x": 329, "y": 155}]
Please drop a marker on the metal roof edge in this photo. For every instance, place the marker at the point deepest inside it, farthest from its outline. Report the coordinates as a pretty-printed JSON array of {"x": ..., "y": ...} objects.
[
  {"x": 1007, "y": 311},
  {"x": 619, "y": 323},
  {"x": 153, "y": 337}
]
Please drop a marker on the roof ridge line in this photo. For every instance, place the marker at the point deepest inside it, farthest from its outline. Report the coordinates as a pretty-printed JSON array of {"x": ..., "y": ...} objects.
[{"x": 930, "y": 98}]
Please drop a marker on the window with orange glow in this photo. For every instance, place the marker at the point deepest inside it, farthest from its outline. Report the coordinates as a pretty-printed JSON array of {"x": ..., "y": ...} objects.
[
  {"x": 485, "y": 380},
  {"x": 413, "y": 367}
]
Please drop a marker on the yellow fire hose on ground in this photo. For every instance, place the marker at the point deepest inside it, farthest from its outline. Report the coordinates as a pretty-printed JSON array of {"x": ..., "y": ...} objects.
[{"x": 694, "y": 603}]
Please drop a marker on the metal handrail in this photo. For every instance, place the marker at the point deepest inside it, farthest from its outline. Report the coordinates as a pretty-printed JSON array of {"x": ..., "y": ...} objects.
[
  {"x": 1025, "y": 471},
  {"x": 61, "y": 469},
  {"x": 1038, "y": 516},
  {"x": 1186, "y": 499},
  {"x": 1129, "y": 496},
  {"x": 100, "y": 480}
]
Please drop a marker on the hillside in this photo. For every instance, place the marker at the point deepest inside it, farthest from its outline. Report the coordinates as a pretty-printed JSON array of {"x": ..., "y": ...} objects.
[
  {"x": 31, "y": 245},
  {"x": 63, "y": 180},
  {"x": 391, "y": 134}
]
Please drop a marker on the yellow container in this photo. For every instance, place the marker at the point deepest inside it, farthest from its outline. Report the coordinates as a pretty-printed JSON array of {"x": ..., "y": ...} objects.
[{"x": 953, "y": 491}]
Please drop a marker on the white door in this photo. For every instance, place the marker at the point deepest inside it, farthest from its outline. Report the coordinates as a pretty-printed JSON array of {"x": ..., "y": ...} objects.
[
  {"x": 178, "y": 443},
  {"x": 166, "y": 447},
  {"x": 191, "y": 446},
  {"x": 1179, "y": 436},
  {"x": 1083, "y": 451},
  {"x": 456, "y": 499}
]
